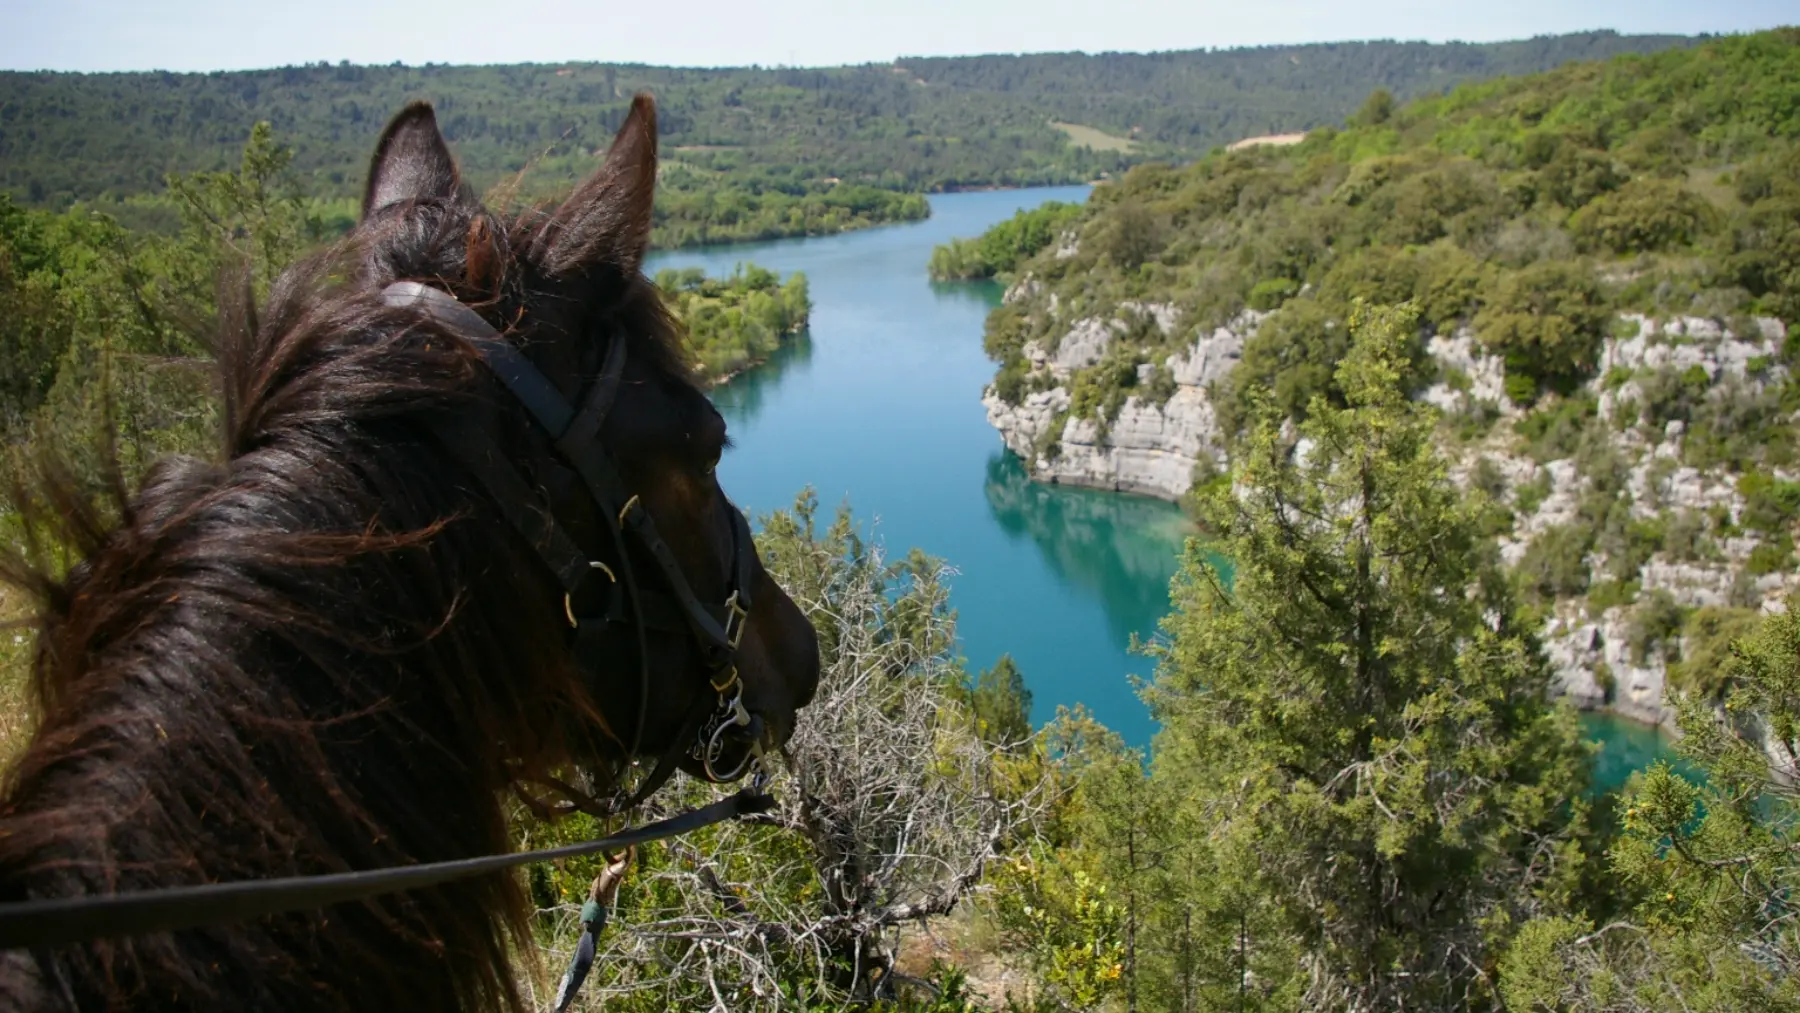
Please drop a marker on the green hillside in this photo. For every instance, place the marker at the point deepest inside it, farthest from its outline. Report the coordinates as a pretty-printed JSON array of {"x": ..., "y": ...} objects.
[
  {"x": 926, "y": 124},
  {"x": 1532, "y": 208}
]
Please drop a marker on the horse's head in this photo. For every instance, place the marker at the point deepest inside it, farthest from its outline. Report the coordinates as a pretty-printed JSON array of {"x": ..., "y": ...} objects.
[{"x": 566, "y": 288}]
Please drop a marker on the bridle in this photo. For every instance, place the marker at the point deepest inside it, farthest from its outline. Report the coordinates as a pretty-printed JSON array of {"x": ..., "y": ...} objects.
[
  {"x": 597, "y": 600},
  {"x": 706, "y": 735}
]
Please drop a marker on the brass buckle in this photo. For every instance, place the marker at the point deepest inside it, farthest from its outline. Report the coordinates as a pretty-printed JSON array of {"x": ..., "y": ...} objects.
[
  {"x": 735, "y": 617},
  {"x": 569, "y": 604},
  {"x": 727, "y": 684}
]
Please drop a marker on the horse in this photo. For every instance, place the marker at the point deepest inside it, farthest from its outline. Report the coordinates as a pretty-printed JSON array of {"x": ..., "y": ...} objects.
[{"x": 397, "y": 598}]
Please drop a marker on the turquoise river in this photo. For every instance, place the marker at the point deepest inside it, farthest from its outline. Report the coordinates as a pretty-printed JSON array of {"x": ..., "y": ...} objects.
[{"x": 879, "y": 406}]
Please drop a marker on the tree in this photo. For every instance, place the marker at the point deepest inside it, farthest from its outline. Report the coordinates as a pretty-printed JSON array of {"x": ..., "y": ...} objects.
[
  {"x": 1547, "y": 321},
  {"x": 1132, "y": 235},
  {"x": 255, "y": 217},
  {"x": 1377, "y": 109},
  {"x": 1712, "y": 857},
  {"x": 1001, "y": 704},
  {"x": 1357, "y": 727}
]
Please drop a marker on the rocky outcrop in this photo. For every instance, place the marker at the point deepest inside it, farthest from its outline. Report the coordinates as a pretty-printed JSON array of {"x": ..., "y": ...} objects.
[
  {"x": 1468, "y": 377},
  {"x": 1590, "y": 653},
  {"x": 1024, "y": 426},
  {"x": 1593, "y": 665},
  {"x": 1154, "y": 448},
  {"x": 1213, "y": 355},
  {"x": 1084, "y": 345},
  {"x": 1151, "y": 448}
]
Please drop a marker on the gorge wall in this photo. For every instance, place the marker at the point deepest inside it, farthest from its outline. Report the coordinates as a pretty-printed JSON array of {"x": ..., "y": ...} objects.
[{"x": 1708, "y": 554}]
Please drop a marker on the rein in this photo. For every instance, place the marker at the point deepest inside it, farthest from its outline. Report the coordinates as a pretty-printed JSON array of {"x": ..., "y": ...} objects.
[{"x": 65, "y": 920}]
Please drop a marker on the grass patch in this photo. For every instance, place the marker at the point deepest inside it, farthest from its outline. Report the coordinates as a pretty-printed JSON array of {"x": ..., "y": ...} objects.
[{"x": 1099, "y": 140}]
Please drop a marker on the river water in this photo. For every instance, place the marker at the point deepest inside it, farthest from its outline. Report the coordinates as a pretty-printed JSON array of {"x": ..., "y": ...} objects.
[{"x": 879, "y": 406}]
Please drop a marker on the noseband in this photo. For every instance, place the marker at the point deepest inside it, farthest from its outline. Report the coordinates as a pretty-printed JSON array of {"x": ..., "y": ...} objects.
[{"x": 716, "y": 630}]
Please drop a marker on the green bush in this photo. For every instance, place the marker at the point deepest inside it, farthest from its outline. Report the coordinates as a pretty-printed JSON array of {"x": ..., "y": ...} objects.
[
  {"x": 1709, "y": 633},
  {"x": 1002, "y": 248},
  {"x": 1009, "y": 383},
  {"x": 1771, "y": 505},
  {"x": 1554, "y": 431},
  {"x": 736, "y": 321},
  {"x": 1771, "y": 557},
  {"x": 1655, "y": 628},
  {"x": 1643, "y": 216},
  {"x": 1611, "y": 594},
  {"x": 1554, "y": 565},
  {"x": 1547, "y": 321},
  {"x": 1271, "y": 293}
]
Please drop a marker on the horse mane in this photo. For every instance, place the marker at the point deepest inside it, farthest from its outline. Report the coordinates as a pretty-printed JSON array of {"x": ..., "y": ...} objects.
[{"x": 310, "y": 656}]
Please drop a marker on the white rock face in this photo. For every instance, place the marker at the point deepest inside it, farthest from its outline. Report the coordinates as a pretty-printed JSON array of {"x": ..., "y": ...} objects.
[
  {"x": 1022, "y": 290},
  {"x": 1695, "y": 341},
  {"x": 1150, "y": 449},
  {"x": 1023, "y": 425},
  {"x": 1581, "y": 646},
  {"x": 1153, "y": 449},
  {"x": 1486, "y": 374},
  {"x": 1084, "y": 345},
  {"x": 1580, "y": 650},
  {"x": 1560, "y": 506},
  {"x": 1213, "y": 355},
  {"x": 1166, "y": 315}
]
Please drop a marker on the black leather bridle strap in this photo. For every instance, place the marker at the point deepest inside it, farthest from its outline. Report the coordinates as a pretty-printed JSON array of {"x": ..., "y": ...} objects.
[
  {"x": 584, "y": 430},
  {"x": 516, "y": 502},
  {"x": 709, "y": 623},
  {"x": 526, "y": 382},
  {"x": 575, "y": 433}
]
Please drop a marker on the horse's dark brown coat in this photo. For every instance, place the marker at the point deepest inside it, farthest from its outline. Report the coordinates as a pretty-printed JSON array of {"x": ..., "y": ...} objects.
[{"x": 327, "y": 653}]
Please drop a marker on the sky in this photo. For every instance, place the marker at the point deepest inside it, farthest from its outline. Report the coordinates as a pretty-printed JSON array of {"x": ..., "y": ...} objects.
[{"x": 101, "y": 35}]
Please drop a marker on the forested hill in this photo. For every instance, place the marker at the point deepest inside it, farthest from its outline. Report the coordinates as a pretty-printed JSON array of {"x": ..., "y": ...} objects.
[
  {"x": 917, "y": 124},
  {"x": 1604, "y": 261}
]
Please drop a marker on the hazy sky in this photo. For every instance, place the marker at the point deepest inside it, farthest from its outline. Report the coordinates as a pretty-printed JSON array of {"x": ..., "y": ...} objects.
[{"x": 227, "y": 34}]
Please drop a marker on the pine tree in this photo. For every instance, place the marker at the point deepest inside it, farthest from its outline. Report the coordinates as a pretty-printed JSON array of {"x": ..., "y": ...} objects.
[
  {"x": 1713, "y": 862},
  {"x": 1374, "y": 787}
]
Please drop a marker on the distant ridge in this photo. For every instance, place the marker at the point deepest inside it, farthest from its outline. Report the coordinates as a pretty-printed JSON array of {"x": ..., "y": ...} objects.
[{"x": 915, "y": 124}]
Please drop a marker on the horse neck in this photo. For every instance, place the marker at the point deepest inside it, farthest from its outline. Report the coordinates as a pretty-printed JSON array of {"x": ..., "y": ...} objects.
[{"x": 321, "y": 660}]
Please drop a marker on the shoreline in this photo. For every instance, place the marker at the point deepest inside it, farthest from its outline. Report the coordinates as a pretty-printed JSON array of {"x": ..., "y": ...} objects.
[{"x": 747, "y": 366}]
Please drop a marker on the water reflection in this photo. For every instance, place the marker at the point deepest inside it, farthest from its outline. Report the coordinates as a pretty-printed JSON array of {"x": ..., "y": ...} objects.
[
  {"x": 984, "y": 295},
  {"x": 1121, "y": 549},
  {"x": 742, "y": 398}
]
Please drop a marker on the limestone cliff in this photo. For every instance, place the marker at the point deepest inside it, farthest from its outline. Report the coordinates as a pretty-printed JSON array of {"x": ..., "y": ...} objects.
[
  {"x": 1596, "y": 647},
  {"x": 1153, "y": 446}
]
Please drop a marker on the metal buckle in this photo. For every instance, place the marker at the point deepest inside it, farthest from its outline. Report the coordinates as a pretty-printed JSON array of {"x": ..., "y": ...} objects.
[
  {"x": 725, "y": 685},
  {"x": 735, "y": 618},
  {"x": 568, "y": 602},
  {"x": 711, "y": 744}
]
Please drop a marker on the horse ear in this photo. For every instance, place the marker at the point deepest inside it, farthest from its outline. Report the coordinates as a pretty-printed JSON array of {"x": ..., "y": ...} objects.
[
  {"x": 411, "y": 162},
  {"x": 607, "y": 220}
]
